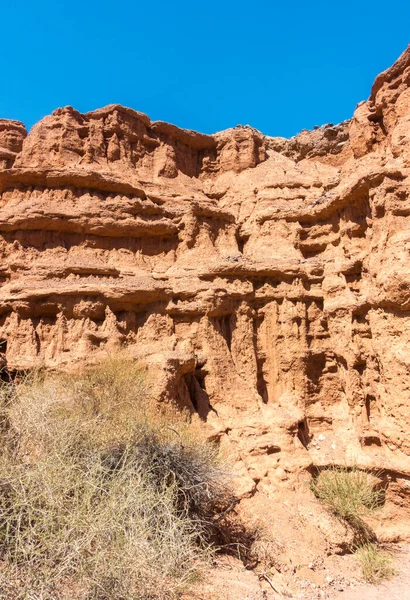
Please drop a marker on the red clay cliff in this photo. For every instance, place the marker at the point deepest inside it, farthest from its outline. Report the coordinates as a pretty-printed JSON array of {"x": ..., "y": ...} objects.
[{"x": 265, "y": 281}]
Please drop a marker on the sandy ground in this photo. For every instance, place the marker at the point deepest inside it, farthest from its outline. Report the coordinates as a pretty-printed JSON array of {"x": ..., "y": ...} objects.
[
  {"x": 228, "y": 582},
  {"x": 396, "y": 589}
]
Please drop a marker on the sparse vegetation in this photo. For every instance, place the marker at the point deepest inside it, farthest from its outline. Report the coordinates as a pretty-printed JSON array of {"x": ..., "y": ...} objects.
[
  {"x": 376, "y": 564},
  {"x": 101, "y": 492},
  {"x": 348, "y": 493}
]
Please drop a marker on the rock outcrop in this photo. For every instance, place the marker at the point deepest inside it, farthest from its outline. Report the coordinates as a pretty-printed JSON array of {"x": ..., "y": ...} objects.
[{"x": 266, "y": 281}]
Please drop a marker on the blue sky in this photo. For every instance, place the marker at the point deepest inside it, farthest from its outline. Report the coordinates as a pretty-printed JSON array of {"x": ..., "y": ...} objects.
[{"x": 278, "y": 66}]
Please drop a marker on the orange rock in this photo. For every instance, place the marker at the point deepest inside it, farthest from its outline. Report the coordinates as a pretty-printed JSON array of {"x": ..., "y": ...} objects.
[{"x": 265, "y": 281}]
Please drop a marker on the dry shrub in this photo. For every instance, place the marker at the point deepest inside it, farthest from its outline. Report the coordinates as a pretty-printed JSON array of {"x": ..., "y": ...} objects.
[
  {"x": 376, "y": 564},
  {"x": 97, "y": 489}
]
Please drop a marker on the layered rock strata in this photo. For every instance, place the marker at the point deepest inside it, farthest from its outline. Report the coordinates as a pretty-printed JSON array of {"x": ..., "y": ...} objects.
[{"x": 266, "y": 281}]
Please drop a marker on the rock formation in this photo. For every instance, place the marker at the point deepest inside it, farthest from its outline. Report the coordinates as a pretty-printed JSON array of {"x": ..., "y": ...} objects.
[{"x": 265, "y": 281}]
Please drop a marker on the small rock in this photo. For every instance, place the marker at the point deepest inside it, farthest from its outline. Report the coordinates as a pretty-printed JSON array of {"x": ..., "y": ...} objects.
[{"x": 281, "y": 474}]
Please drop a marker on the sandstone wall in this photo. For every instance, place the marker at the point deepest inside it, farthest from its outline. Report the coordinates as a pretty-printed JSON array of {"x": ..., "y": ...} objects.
[{"x": 266, "y": 281}]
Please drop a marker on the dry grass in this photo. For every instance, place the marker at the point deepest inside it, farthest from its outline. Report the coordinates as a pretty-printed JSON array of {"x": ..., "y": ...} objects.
[
  {"x": 351, "y": 494},
  {"x": 96, "y": 489},
  {"x": 348, "y": 493},
  {"x": 376, "y": 564}
]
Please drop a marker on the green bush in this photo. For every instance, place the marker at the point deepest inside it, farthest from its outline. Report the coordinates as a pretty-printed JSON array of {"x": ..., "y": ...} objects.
[{"x": 97, "y": 490}]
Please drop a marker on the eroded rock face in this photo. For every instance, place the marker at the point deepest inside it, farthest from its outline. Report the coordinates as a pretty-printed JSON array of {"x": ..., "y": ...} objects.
[
  {"x": 265, "y": 280},
  {"x": 12, "y": 135}
]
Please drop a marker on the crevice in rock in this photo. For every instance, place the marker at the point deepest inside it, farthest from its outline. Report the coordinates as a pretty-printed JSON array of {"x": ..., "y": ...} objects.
[
  {"x": 195, "y": 383},
  {"x": 360, "y": 366},
  {"x": 303, "y": 433},
  {"x": 241, "y": 241},
  {"x": 261, "y": 383},
  {"x": 370, "y": 401},
  {"x": 224, "y": 326},
  {"x": 38, "y": 343},
  {"x": 312, "y": 253},
  {"x": 315, "y": 366},
  {"x": 353, "y": 280}
]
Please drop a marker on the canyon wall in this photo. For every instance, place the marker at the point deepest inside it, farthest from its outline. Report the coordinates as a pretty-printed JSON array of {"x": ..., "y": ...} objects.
[{"x": 265, "y": 281}]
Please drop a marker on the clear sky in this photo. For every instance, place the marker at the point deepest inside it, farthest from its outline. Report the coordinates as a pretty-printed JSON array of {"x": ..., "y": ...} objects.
[{"x": 279, "y": 66}]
